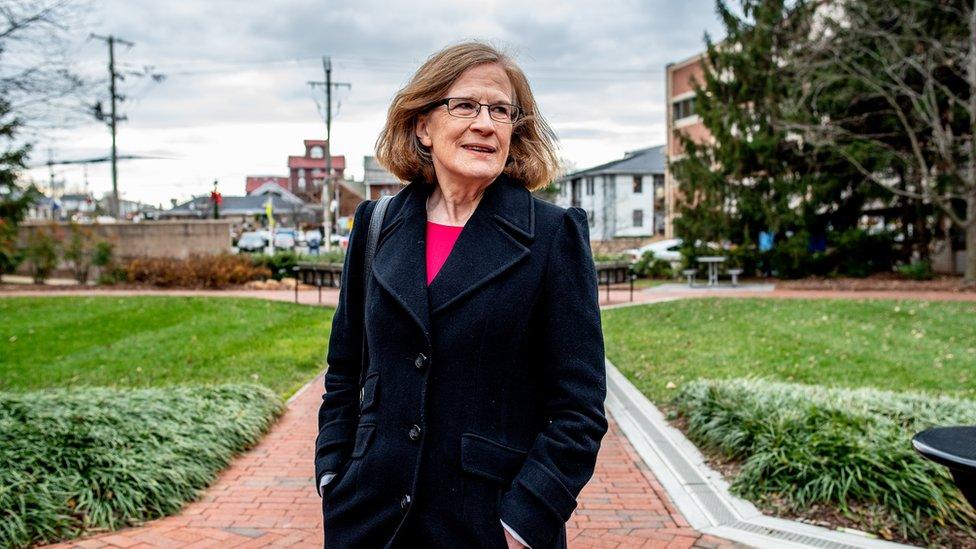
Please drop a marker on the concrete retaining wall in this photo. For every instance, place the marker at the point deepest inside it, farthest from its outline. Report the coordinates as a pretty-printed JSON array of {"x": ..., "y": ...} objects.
[{"x": 179, "y": 239}]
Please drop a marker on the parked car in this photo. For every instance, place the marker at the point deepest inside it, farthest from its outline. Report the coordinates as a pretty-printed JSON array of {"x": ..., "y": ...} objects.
[
  {"x": 284, "y": 239},
  {"x": 668, "y": 250},
  {"x": 251, "y": 242},
  {"x": 313, "y": 236}
]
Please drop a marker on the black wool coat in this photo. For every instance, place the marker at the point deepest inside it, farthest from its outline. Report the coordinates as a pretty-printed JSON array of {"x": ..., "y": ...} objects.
[{"x": 484, "y": 394}]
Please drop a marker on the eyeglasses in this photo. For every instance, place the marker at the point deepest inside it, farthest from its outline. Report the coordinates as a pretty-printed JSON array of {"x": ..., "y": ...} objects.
[{"x": 463, "y": 107}]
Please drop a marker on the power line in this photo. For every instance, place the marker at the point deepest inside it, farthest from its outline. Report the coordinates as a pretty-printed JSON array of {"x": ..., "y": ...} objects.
[{"x": 395, "y": 65}]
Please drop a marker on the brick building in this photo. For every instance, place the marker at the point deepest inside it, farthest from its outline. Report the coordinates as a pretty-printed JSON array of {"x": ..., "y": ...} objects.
[
  {"x": 681, "y": 119},
  {"x": 306, "y": 173},
  {"x": 306, "y": 176}
]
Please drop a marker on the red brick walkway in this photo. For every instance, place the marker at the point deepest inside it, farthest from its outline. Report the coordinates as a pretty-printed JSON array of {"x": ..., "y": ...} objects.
[
  {"x": 619, "y": 294},
  {"x": 267, "y": 499}
]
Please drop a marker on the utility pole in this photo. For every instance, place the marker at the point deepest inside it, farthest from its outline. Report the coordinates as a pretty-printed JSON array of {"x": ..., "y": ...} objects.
[
  {"x": 113, "y": 117},
  {"x": 330, "y": 189}
]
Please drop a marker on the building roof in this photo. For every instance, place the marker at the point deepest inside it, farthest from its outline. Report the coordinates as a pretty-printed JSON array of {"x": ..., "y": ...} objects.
[
  {"x": 254, "y": 181},
  {"x": 641, "y": 161},
  {"x": 338, "y": 162},
  {"x": 375, "y": 174},
  {"x": 272, "y": 187},
  {"x": 201, "y": 206},
  {"x": 356, "y": 187},
  {"x": 79, "y": 197}
]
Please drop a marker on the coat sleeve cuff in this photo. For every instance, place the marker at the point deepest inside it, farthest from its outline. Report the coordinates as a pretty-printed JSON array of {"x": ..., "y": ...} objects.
[
  {"x": 537, "y": 505},
  {"x": 326, "y": 478},
  {"x": 334, "y": 446},
  {"x": 515, "y": 535}
]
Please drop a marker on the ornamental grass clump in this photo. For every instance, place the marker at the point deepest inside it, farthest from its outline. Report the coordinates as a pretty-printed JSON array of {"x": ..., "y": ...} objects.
[
  {"x": 82, "y": 460},
  {"x": 799, "y": 446}
]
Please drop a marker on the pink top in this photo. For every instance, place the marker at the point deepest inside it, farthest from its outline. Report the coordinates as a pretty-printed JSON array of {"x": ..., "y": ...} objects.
[{"x": 440, "y": 241}]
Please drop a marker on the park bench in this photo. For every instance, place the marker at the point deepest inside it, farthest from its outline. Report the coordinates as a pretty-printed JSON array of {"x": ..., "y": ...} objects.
[{"x": 735, "y": 276}]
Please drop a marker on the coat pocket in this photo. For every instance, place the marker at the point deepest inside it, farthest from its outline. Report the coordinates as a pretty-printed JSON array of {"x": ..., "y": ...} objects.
[
  {"x": 491, "y": 460},
  {"x": 364, "y": 435},
  {"x": 367, "y": 395}
]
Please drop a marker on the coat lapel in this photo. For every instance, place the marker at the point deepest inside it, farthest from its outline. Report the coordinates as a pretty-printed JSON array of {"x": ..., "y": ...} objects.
[
  {"x": 492, "y": 241},
  {"x": 399, "y": 264},
  {"x": 489, "y": 244}
]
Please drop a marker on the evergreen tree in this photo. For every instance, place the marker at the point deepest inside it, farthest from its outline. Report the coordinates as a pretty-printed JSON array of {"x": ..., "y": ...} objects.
[
  {"x": 755, "y": 175},
  {"x": 14, "y": 201}
]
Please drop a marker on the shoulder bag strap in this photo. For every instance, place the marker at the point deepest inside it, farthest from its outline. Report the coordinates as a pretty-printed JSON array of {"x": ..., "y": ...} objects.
[{"x": 372, "y": 239}]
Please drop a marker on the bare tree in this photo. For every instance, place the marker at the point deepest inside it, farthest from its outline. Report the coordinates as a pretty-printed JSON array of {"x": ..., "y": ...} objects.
[
  {"x": 36, "y": 74},
  {"x": 908, "y": 74}
]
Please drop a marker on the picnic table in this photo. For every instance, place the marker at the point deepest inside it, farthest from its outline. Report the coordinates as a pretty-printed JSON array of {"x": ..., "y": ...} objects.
[{"x": 713, "y": 262}]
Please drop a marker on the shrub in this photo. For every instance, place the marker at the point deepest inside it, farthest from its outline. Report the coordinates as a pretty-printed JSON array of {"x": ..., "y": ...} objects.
[
  {"x": 103, "y": 257},
  {"x": 649, "y": 266},
  {"x": 792, "y": 258},
  {"x": 610, "y": 257},
  {"x": 279, "y": 265},
  {"x": 10, "y": 254},
  {"x": 15, "y": 202},
  {"x": 745, "y": 257},
  {"x": 920, "y": 270},
  {"x": 206, "y": 271},
  {"x": 805, "y": 445},
  {"x": 79, "y": 250},
  {"x": 96, "y": 458},
  {"x": 336, "y": 255},
  {"x": 853, "y": 252},
  {"x": 42, "y": 252},
  {"x": 860, "y": 254}
]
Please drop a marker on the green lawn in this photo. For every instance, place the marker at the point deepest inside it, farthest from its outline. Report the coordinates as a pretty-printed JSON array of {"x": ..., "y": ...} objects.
[
  {"x": 887, "y": 344},
  {"x": 149, "y": 341}
]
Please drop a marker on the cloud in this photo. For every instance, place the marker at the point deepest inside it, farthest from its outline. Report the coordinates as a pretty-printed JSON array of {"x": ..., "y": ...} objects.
[{"x": 236, "y": 98}]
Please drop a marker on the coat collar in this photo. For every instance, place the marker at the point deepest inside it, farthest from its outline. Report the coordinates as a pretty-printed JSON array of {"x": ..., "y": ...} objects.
[{"x": 494, "y": 239}]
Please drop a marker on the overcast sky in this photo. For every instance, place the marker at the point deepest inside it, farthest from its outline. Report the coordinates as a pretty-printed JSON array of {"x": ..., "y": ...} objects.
[{"x": 236, "y": 102}]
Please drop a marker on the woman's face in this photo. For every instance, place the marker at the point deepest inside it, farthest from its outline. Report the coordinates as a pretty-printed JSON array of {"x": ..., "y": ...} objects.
[{"x": 470, "y": 150}]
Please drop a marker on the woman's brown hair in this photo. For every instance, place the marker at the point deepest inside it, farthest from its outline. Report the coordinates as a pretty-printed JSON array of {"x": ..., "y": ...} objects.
[{"x": 531, "y": 155}]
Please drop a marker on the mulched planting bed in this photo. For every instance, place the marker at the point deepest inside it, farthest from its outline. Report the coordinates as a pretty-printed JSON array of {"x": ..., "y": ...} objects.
[{"x": 878, "y": 282}]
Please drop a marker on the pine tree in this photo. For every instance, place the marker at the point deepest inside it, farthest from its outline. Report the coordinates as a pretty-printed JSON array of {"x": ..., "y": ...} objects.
[
  {"x": 755, "y": 175},
  {"x": 14, "y": 201}
]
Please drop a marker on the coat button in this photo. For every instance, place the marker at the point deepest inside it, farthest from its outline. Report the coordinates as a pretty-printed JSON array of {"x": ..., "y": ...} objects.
[
  {"x": 415, "y": 433},
  {"x": 405, "y": 501},
  {"x": 420, "y": 361}
]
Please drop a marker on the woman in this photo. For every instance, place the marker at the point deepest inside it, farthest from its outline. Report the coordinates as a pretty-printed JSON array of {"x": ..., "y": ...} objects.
[{"x": 482, "y": 412}]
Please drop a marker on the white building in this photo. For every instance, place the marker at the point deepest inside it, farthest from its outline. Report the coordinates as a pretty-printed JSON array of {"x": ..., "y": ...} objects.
[{"x": 622, "y": 198}]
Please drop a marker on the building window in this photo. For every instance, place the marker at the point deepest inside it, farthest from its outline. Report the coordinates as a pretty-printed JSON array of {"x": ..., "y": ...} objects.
[
  {"x": 589, "y": 186},
  {"x": 638, "y": 218},
  {"x": 684, "y": 108},
  {"x": 659, "y": 205},
  {"x": 589, "y": 218},
  {"x": 638, "y": 184}
]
